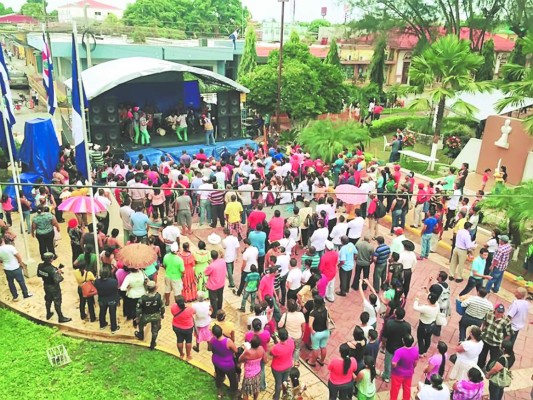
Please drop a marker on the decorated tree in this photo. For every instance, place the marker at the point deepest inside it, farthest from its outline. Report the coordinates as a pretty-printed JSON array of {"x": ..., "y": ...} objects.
[{"x": 249, "y": 56}]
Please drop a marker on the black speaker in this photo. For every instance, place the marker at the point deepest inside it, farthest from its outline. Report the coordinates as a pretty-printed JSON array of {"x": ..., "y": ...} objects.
[
  {"x": 103, "y": 111},
  {"x": 224, "y": 127},
  {"x": 106, "y": 134},
  {"x": 229, "y": 104},
  {"x": 235, "y": 126}
]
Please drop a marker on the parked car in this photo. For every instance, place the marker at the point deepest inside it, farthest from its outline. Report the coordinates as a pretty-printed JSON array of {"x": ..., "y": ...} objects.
[{"x": 18, "y": 79}]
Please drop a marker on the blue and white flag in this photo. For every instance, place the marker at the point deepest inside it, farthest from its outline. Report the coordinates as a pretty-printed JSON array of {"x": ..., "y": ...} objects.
[
  {"x": 8, "y": 102},
  {"x": 48, "y": 77},
  {"x": 77, "y": 110}
]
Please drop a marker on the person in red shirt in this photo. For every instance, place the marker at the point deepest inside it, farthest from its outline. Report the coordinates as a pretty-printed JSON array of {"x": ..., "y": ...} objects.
[
  {"x": 281, "y": 360},
  {"x": 319, "y": 166},
  {"x": 422, "y": 198},
  {"x": 183, "y": 324},
  {"x": 328, "y": 267},
  {"x": 256, "y": 217},
  {"x": 201, "y": 156},
  {"x": 308, "y": 163},
  {"x": 397, "y": 175}
]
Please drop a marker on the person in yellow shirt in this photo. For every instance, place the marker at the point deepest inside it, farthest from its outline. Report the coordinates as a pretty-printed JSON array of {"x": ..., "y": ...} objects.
[
  {"x": 83, "y": 276},
  {"x": 233, "y": 212}
]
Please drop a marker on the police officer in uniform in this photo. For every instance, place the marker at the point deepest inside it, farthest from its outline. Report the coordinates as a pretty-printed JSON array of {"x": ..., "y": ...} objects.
[
  {"x": 150, "y": 309},
  {"x": 51, "y": 277}
]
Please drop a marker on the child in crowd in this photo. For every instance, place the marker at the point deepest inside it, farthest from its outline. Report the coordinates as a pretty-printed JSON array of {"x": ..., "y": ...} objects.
[{"x": 252, "y": 283}]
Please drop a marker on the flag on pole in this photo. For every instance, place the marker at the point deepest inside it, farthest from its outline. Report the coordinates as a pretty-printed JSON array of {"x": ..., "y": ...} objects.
[
  {"x": 48, "y": 77},
  {"x": 8, "y": 104},
  {"x": 77, "y": 109}
]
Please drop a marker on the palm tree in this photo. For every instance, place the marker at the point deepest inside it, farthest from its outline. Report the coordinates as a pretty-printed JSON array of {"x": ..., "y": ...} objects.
[
  {"x": 523, "y": 86},
  {"x": 446, "y": 68}
]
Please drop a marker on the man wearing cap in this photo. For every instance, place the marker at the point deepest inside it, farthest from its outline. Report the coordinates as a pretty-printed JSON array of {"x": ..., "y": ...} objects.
[
  {"x": 421, "y": 198},
  {"x": 500, "y": 261},
  {"x": 495, "y": 329},
  {"x": 150, "y": 310},
  {"x": 463, "y": 244},
  {"x": 365, "y": 252},
  {"x": 397, "y": 243},
  {"x": 51, "y": 277},
  {"x": 174, "y": 269}
]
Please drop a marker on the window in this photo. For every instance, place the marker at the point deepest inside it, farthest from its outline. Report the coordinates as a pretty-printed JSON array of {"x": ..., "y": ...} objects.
[{"x": 97, "y": 13}]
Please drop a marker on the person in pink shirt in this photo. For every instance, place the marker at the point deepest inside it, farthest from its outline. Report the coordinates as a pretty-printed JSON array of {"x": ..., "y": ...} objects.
[
  {"x": 256, "y": 217},
  {"x": 403, "y": 368},
  {"x": 264, "y": 336},
  {"x": 421, "y": 198},
  {"x": 397, "y": 175},
  {"x": 216, "y": 278},
  {"x": 277, "y": 226},
  {"x": 328, "y": 268},
  {"x": 281, "y": 360},
  {"x": 341, "y": 374}
]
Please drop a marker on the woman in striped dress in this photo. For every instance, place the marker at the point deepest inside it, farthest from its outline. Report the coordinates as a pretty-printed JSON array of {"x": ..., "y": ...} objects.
[{"x": 189, "y": 278}]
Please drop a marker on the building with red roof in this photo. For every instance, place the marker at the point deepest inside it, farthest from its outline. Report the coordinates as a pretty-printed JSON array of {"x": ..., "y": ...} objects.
[
  {"x": 96, "y": 11},
  {"x": 17, "y": 19},
  {"x": 264, "y": 49}
]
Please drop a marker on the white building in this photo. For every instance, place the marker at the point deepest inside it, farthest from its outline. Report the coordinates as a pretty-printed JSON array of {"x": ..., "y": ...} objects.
[{"x": 96, "y": 11}]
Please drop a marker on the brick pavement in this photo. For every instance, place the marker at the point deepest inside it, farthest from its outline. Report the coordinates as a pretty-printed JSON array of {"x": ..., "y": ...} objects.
[{"x": 315, "y": 378}]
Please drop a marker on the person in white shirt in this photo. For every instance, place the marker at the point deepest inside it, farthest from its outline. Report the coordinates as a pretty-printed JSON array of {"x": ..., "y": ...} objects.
[
  {"x": 319, "y": 237},
  {"x": 338, "y": 231},
  {"x": 245, "y": 191},
  {"x": 231, "y": 245},
  {"x": 250, "y": 256},
  {"x": 283, "y": 262},
  {"x": 294, "y": 280},
  {"x": 170, "y": 234},
  {"x": 203, "y": 193},
  {"x": 355, "y": 227},
  {"x": 287, "y": 242},
  {"x": 428, "y": 315},
  {"x": 12, "y": 264},
  {"x": 408, "y": 261},
  {"x": 125, "y": 215}
]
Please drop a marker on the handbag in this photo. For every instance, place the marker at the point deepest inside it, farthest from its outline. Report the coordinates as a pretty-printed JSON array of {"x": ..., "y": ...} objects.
[
  {"x": 503, "y": 378},
  {"x": 441, "y": 319},
  {"x": 330, "y": 323},
  {"x": 87, "y": 288}
]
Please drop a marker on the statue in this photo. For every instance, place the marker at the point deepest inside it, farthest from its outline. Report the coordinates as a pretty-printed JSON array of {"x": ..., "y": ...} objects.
[{"x": 506, "y": 129}]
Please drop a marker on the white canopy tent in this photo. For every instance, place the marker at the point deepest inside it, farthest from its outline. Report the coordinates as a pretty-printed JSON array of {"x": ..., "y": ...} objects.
[
  {"x": 486, "y": 103},
  {"x": 103, "y": 77}
]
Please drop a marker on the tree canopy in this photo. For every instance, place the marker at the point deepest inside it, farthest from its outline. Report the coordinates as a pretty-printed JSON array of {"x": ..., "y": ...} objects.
[
  {"x": 486, "y": 71},
  {"x": 309, "y": 86},
  {"x": 4, "y": 10},
  {"x": 196, "y": 17},
  {"x": 313, "y": 26},
  {"x": 333, "y": 55},
  {"x": 33, "y": 8},
  {"x": 377, "y": 65},
  {"x": 249, "y": 56}
]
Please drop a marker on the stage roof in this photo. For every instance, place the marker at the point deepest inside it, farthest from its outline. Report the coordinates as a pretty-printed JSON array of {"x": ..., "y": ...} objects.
[
  {"x": 486, "y": 103},
  {"x": 103, "y": 77}
]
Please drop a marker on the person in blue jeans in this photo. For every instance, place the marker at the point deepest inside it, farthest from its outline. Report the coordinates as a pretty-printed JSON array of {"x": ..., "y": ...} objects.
[
  {"x": 500, "y": 261},
  {"x": 208, "y": 129},
  {"x": 12, "y": 263},
  {"x": 427, "y": 231},
  {"x": 318, "y": 322}
]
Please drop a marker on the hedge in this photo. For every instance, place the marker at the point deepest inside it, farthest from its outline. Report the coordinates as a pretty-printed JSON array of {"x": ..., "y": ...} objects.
[{"x": 417, "y": 123}]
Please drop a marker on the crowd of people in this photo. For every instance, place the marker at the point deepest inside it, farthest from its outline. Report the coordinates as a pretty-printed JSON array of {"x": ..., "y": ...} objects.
[{"x": 289, "y": 265}]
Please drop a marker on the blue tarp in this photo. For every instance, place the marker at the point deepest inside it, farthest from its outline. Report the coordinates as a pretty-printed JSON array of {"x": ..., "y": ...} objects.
[
  {"x": 26, "y": 177},
  {"x": 40, "y": 148},
  {"x": 152, "y": 155}
]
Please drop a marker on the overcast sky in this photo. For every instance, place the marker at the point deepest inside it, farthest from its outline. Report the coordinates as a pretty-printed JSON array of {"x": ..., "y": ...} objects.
[{"x": 306, "y": 10}]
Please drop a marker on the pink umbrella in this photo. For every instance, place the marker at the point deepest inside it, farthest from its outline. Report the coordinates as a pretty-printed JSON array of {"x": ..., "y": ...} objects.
[
  {"x": 81, "y": 205},
  {"x": 350, "y": 194}
]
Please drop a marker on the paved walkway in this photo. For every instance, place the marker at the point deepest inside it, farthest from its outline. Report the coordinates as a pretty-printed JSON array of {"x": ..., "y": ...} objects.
[{"x": 345, "y": 312}]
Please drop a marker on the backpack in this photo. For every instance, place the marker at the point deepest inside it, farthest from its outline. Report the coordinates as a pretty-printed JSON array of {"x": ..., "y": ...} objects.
[
  {"x": 444, "y": 301},
  {"x": 381, "y": 211},
  {"x": 481, "y": 216}
]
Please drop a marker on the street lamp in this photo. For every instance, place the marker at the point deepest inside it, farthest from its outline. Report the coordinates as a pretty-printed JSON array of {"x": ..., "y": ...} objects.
[{"x": 280, "y": 63}]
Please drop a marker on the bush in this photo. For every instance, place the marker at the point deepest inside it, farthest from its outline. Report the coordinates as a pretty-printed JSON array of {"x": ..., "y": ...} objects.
[
  {"x": 389, "y": 125},
  {"x": 325, "y": 139}
]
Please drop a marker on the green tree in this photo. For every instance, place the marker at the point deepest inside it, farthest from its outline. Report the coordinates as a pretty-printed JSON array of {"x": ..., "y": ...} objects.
[
  {"x": 4, "y": 10},
  {"x": 249, "y": 56},
  {"x": 33, "y": 8},
  {"x": 325, "y": 139},
  {"x": 314, "y": 25},
  {"x": 294, "y": 37},
  {"x": 377, "y": 65},
  {"x": 450, "y": 62},
  {"x": 333, "y": 55},
  {"x": 486, "y": 71},
  {"x": 517, "y": 57},
  {"x": 521, "y": 84}
]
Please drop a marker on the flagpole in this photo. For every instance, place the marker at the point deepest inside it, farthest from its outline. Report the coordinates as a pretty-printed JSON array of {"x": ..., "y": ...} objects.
[
  {"x": 85, "y": 141},
  {"x": 15, "y": 181}
]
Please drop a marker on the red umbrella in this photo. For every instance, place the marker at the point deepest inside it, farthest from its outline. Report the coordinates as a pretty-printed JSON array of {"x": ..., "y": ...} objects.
[
  {"x": 81, "y": 205},
  {"x": 351, "y": 194}
]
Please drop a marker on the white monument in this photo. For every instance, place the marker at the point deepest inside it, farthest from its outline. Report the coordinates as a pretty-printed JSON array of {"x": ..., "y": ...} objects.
[{"x": 506, "y": 129}]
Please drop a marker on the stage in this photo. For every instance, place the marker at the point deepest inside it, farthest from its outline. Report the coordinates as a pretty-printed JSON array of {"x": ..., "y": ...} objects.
[{"x": 152, "y": 154}]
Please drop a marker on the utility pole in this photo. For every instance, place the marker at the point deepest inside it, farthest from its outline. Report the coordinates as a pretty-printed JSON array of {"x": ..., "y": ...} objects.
[{"x": 280, "y": 62}]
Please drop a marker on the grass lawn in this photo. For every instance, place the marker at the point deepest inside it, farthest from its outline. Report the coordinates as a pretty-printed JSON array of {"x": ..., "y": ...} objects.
[{"x": 97, "y": 371}]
